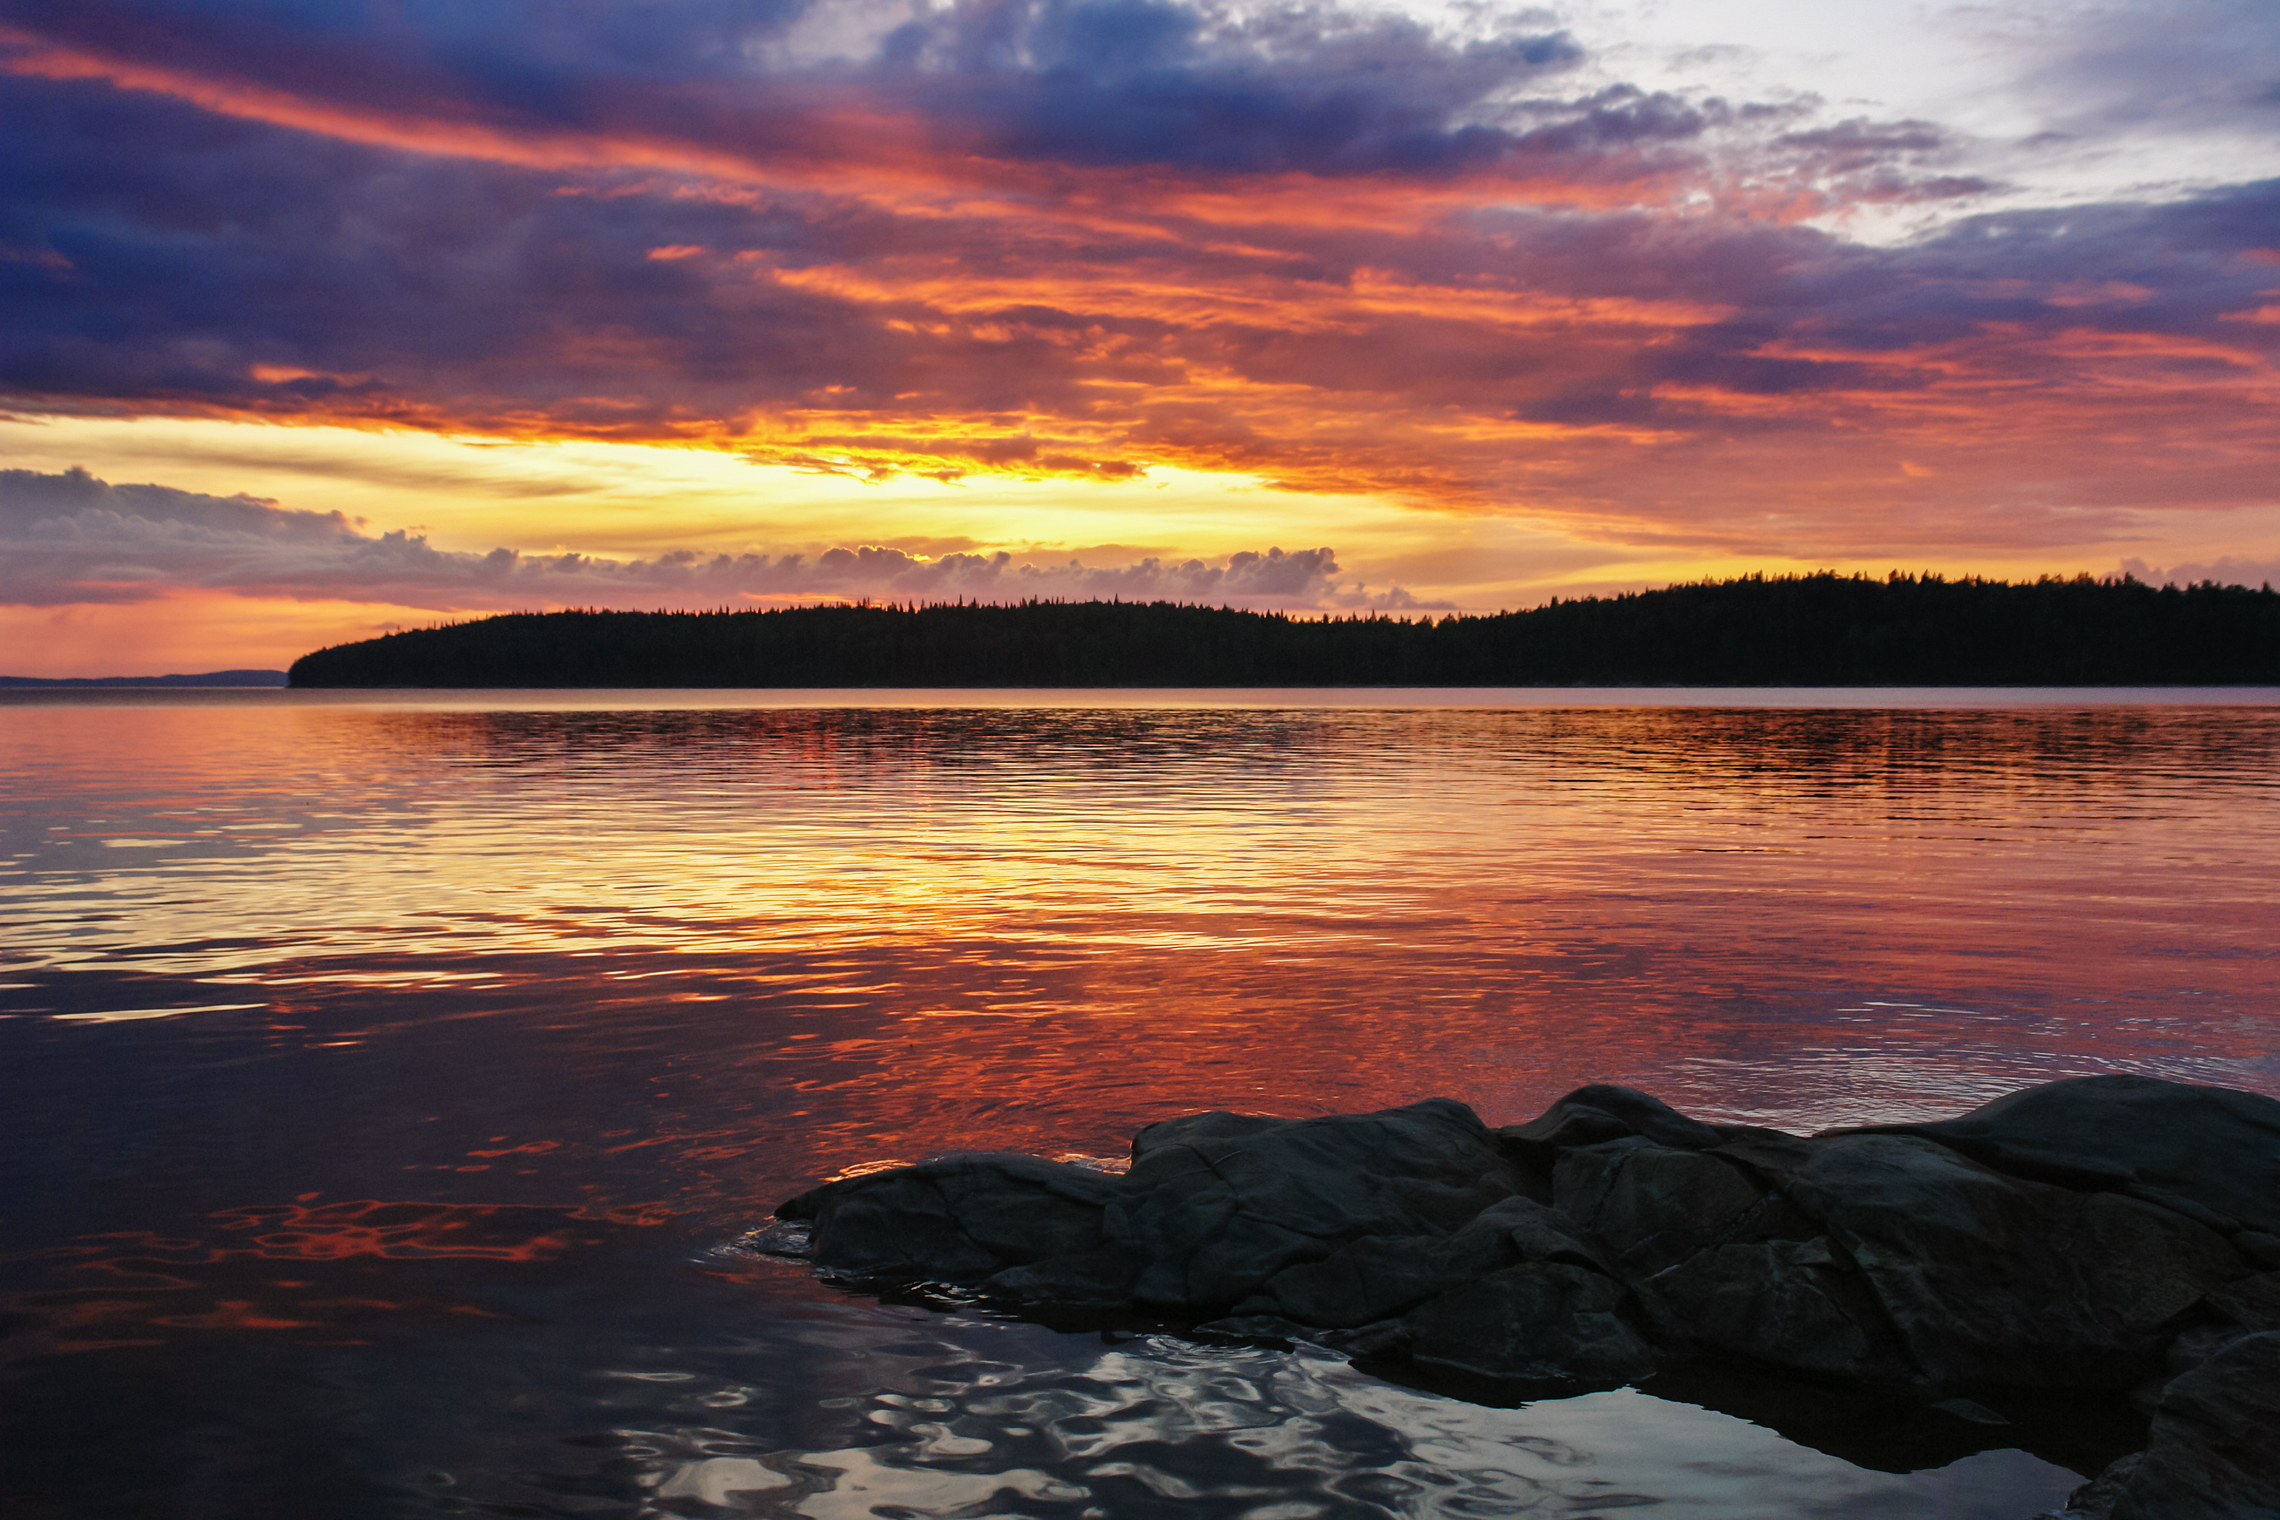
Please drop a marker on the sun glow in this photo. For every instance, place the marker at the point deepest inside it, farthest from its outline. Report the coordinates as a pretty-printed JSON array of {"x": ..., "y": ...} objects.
[{"x": 1400, "y": 310}]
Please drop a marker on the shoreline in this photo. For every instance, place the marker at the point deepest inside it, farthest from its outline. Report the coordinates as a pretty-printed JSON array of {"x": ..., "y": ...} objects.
[
  {"x": 1380, "y": 698},
  {"x": 2094, "y": 1237}
]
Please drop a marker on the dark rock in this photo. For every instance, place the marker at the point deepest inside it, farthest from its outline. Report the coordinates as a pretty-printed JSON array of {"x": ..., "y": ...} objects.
[
  {"x": 791, "y": 1239},
  {"x": 2212, "y": 1153},
  {"x": 2106, "y": 1233},
  {"x": 1601, "y": 1112},
  {"x": 1369, "y": 1280},
  {"x": 1189, "y": 1129},
  {"x": 1787, "y": 1303},
  {"x": 1541, "y": 1320},
  {"x": 1377, "y": 1279},
  {"x": 1994, "y": 1279},
  {"x": 1766, "y": 1154},
  {"x": 957, "y": 1220},
  {"x": 1653, "y": 1206},
  {"x": 1254, "y": 1330},
  {"x": 2215, "y": 1447},
  {"x": 2252, "y": 1303},
  {"x": 1212, "y": 1212},
  {"x": 1969, "y": 1411},
  {"x": 1099, "y": 1278},
  {"x": 2094, "y": 1500},
  {"x": 1722, "y": 1261},
  {"x": 1386, "y": 1338}
]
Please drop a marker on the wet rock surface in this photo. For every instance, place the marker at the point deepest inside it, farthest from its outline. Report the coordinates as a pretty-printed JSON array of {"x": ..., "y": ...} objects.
[
  {"x": 1212, "y": 1211},
  {"x": 1987, "y": 1278},
  {"x": 2215, "y": 1447},
  {"x": 960, "y": 1219},
  {"x": 2113, "y": 1233},
  {"x": 2139, "y": 1135}
]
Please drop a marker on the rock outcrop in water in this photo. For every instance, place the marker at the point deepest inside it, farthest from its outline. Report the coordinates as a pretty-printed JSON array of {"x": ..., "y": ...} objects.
[{"x": 2102, "y": 1233}]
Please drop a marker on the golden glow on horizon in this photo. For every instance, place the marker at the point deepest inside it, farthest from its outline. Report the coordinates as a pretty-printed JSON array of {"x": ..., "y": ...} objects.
[
  {"x": 632, "y": 500},
  {"x": 1113, "y": 362},
  {"x": 186, "y": 633},
  {"x": 468, "y": 492}
]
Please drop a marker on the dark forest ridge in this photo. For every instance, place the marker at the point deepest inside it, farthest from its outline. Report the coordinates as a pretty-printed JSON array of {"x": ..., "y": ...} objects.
[{"x": 1810, "y": 630}]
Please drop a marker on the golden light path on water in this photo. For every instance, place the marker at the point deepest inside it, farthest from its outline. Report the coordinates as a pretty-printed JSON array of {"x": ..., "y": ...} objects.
[{"x": 1448, "y": 859}]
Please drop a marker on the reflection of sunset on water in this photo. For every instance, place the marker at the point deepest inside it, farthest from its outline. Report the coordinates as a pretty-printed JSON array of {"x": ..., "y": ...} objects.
[
  {"x": 226, "y": 1278},
  {"x": 444, "y": 1053},
  {"x": 946, "y": 905},
  {"x": 392, "y": 1082}
]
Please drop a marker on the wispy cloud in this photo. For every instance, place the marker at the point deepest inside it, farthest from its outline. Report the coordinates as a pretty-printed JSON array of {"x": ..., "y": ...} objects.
[
  {"x": 70, "y": 538},
  {"x": 2225, "y": 570}
]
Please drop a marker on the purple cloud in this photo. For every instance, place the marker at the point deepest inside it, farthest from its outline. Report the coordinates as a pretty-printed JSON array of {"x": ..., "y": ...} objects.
[
  {"x": 71, "y": 538},
  {"x": 1344, "y": 252}
]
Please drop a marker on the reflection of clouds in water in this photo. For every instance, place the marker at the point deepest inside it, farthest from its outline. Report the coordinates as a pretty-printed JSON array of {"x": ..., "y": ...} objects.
[
  {"x": 871, "y": 1486},
  {"x": 1307, "y": 910},
  {"x": 1166, "y": 1426},
  {"x": 715, "y": 1480},
  {"x": 1902, "y": 1064},
  {"x": 1619, "y": 1449}
]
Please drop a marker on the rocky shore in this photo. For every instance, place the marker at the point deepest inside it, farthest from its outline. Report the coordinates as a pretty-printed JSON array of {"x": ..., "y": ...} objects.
[{"x": 2104, "y": 1233}]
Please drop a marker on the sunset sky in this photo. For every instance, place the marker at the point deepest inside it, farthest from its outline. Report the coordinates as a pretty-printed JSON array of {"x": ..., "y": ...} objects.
[{"x": 329, "y": 316}]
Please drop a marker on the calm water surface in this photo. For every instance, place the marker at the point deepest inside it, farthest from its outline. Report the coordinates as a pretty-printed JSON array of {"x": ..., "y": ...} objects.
[{"x": 385, "y": 1083}]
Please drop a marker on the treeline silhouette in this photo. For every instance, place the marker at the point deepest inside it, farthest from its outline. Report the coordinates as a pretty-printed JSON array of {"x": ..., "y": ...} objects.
[{"x": 1802, "y": 630}]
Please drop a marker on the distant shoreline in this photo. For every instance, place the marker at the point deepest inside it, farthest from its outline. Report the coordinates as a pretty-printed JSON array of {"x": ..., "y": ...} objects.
[
  {"x": 1799, "y": 631},
  {"x": 1135, "y": 702},
  {"x": 210, "y": 680}
]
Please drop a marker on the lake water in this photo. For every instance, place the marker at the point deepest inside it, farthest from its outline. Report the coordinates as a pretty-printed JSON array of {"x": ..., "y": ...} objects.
[{"x": 385, "y": 1082}]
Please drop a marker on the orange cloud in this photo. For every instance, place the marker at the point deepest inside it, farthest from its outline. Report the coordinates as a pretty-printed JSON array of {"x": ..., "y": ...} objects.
[{"x": 1598, "y": 309}]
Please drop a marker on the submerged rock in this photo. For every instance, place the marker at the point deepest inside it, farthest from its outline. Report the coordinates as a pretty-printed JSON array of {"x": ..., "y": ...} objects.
[
  {"x": 968, "y": 1219},
  {"x": 2107, "y": 1232}
]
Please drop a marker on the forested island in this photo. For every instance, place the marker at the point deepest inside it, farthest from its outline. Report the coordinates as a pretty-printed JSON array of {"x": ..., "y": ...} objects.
[{"x": 1803, "y": 630}]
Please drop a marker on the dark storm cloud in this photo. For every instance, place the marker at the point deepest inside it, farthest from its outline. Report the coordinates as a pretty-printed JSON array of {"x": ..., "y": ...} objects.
[
  {"x": 1200, "y": 87},
  {"x": 158, "y": 252},
  {"x": 1107, "y": 82},
  {"x": 164, "y": 253},
  {"x": 1128, "y": 82},
  {"x": 524, "y": 55}
]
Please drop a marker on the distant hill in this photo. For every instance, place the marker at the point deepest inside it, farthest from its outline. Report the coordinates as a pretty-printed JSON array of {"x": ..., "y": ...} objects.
[
  {"x": 210, "y": 678},
  {"x": 1810, "y": 630}
]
